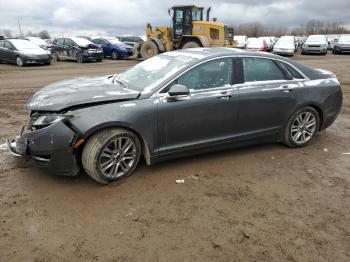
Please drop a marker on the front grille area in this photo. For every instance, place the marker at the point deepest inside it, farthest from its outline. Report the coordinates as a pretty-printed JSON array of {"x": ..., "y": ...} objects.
[{"x": 314, "y": 45}]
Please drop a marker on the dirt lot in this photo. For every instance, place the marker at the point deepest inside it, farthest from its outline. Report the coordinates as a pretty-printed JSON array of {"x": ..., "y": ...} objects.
[{"x": 263, "y": 203}]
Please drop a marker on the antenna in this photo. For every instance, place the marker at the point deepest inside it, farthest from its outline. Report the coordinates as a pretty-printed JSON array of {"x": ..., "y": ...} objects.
[{"x": 20, "y": 29}]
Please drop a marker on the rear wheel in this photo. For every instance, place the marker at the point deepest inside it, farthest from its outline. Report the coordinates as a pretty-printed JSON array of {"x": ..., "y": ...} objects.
[
  {"x": 111, "y": 154},
  {"x": 191, "y": 44},
  {"x": 115, "y": 55},
  {"x": 19, "y": 61},
  {"x": 149, "y": 49},
  {"x": 301, "y": 127}
]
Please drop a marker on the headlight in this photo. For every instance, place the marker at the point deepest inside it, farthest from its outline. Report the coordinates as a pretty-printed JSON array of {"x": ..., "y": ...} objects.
[{"x": 47, "y": 120}]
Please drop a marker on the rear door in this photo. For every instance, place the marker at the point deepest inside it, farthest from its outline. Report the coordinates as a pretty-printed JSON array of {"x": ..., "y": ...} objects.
[
  {"x": 207, "y": 116},
  {"x": 267, "y": 97},
  {"x": 9, "y": 53},
  {"x": 2, "y": 50},
  {"x": 58, "y": 48}
]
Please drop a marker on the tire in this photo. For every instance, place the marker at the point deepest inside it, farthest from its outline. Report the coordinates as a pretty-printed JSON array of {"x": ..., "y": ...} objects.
[
  {"x": 191, "y": 44},
  {"x": 103, "y": 155},
  {"x": 302, "y": 53},
  {"x": 115, "y": 55},
  {"x": 79, "y": 58},
  {"x": 54, "y": 57},
  {"x": 149, "y": 49},
  {"x": 19, "y": 61},
  {"x": 302, "y": 124}
]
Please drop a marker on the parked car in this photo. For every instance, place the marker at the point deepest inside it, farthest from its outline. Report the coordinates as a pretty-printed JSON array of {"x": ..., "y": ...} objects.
[
  {"x": 241, "y": 41},
  {"x": 22, "y": 52},
  {"x": 163, "y": 108},
  {"x": 39, "y": 42},
  {"x": 257, "y": 44},
  {"x": 343, "y": 45},
  {"x": 286, "y": 45},
  {"x": 76, "y": 48},
  {"x": 131, "y": 40},
  {"x": 112, "y": 47},
  {"x": 316, "y": 44},
  {"x": 269, "y": 42}
]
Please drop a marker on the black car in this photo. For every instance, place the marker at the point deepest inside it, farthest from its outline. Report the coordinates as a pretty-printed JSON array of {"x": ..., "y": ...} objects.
[
  {"x": 22, "y": 52},
  {"x": 176, "y": 104},
  {"x": 77, "y": 48}
]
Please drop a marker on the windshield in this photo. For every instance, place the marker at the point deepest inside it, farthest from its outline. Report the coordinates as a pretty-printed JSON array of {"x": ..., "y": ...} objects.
[
  {"x": 255, "y": 42},
  {"x": 81, "y": 41},
  {"x": 148, "y": 74},
  {"x": 113, "y": 40},
  {"x": 196, "y": 14},
  {"x": 316, "y": 38},
  {"x": 344, "y": 38},
  {"x": 285, "y": 40},
  {"x": 23, "y": 44},
  {"x": 37, "y": 41}
]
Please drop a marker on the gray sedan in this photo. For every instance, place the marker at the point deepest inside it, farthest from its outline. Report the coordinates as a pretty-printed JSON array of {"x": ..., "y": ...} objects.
[{"x": 175, "y": 104}]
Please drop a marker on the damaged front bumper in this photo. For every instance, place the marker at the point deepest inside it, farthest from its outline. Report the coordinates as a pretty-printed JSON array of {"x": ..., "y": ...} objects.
[{"x": 50, "y": 147}]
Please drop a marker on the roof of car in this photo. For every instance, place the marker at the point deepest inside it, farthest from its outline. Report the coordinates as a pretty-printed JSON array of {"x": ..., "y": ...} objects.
[{"x": 203, "y": 53}]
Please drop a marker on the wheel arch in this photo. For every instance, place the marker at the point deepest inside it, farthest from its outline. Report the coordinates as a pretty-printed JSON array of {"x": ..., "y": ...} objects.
[{"x": 145, "y": 151}]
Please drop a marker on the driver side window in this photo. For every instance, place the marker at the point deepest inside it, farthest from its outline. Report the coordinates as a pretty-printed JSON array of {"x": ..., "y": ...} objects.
[{"x": 216, "y": 73}]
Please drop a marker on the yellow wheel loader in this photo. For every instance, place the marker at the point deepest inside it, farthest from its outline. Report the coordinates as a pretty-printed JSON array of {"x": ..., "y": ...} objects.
[{"x": 188, "y": 30}]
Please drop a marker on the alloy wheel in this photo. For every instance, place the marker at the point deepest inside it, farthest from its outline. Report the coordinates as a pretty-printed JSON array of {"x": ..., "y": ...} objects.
[
  {"x": 19, "y": 61},
  {"x": 117, "y": 157},
  {"x": 303, "y": 127}
]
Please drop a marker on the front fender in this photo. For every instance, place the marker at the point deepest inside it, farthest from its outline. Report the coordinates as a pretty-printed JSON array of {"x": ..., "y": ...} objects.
[{"x": 139, "y": 115}]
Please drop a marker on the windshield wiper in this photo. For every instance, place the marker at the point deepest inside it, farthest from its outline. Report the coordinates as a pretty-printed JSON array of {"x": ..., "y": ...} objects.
[{"x": 119, "y": 82}]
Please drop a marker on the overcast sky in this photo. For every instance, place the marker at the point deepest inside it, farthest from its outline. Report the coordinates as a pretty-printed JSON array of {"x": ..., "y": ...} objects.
[{"x": 124, "y": 17}]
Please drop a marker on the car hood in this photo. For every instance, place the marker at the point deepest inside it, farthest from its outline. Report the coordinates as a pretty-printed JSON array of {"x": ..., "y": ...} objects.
[
  {"x": 78, "y": 92},
  {"x": 36, "y": 51}
]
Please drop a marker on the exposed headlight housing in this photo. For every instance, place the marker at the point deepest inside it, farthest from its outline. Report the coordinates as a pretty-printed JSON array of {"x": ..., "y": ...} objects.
[{"x": 46, "y": 120}]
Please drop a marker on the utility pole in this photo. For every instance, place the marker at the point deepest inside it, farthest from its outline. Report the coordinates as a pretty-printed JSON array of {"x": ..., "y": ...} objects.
[{"x": 20, "y": 29}]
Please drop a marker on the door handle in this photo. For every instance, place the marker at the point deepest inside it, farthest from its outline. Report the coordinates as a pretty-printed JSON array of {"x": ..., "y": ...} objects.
[
  {"x": 286, "y": 89},
  {"x": 225, "y": 95}
]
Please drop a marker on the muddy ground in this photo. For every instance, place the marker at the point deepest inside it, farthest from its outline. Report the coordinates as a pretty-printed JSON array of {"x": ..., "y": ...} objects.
[{"x": 262, "y": 203}]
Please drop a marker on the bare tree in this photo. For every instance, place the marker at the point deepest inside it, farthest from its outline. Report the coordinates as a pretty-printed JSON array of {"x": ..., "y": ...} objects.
[
  {"x": 44, "y": 34},
  {"x": 7, "y": 33}
]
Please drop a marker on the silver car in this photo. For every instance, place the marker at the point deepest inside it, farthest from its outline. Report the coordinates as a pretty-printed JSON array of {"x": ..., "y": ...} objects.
[{"x": 316, "y": 44}]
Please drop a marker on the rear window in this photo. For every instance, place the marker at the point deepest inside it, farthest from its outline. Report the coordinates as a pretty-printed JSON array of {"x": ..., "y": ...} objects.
[
  {"x": 261, "y": 69},
  {"x": 292, "y": 71}
]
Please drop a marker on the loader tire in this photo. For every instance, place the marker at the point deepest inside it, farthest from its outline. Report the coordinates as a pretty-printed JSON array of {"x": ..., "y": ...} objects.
[
  {"x": 191, "y": 44},
  {"x": 149, "y": 49}
]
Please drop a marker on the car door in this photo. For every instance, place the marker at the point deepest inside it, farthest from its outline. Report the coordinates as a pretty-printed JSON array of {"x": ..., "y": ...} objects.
[
  {"x": 205, "y": 117},
  {"x": 2, "y": 50},
  {"x": 58, "y": 48},
  {"x": 69, "y": 48},
  {"x": 267, "y": 97},
  {"x": 9, "y": 54}
]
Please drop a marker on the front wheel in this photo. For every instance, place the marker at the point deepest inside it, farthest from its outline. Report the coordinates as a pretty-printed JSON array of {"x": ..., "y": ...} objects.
[
  {"x": 80, "y": 58},
  {"x": 115, "y": 55},
  {"x": 301, "y": 127},
  {"x": 19, "y": 61},
  {"x": 111, "y": 154},
  {"x": 54, "y": 57}
]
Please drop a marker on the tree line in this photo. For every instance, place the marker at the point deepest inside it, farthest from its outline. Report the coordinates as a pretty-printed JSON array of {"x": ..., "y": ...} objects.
[
  {"x": 312, "y": 27},
  {"x": 44, "y": 34},
  {"x": 255, "y": 29}
]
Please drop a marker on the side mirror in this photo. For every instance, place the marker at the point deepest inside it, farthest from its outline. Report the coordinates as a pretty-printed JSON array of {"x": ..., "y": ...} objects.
[{"x": 178, "y": 90}]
